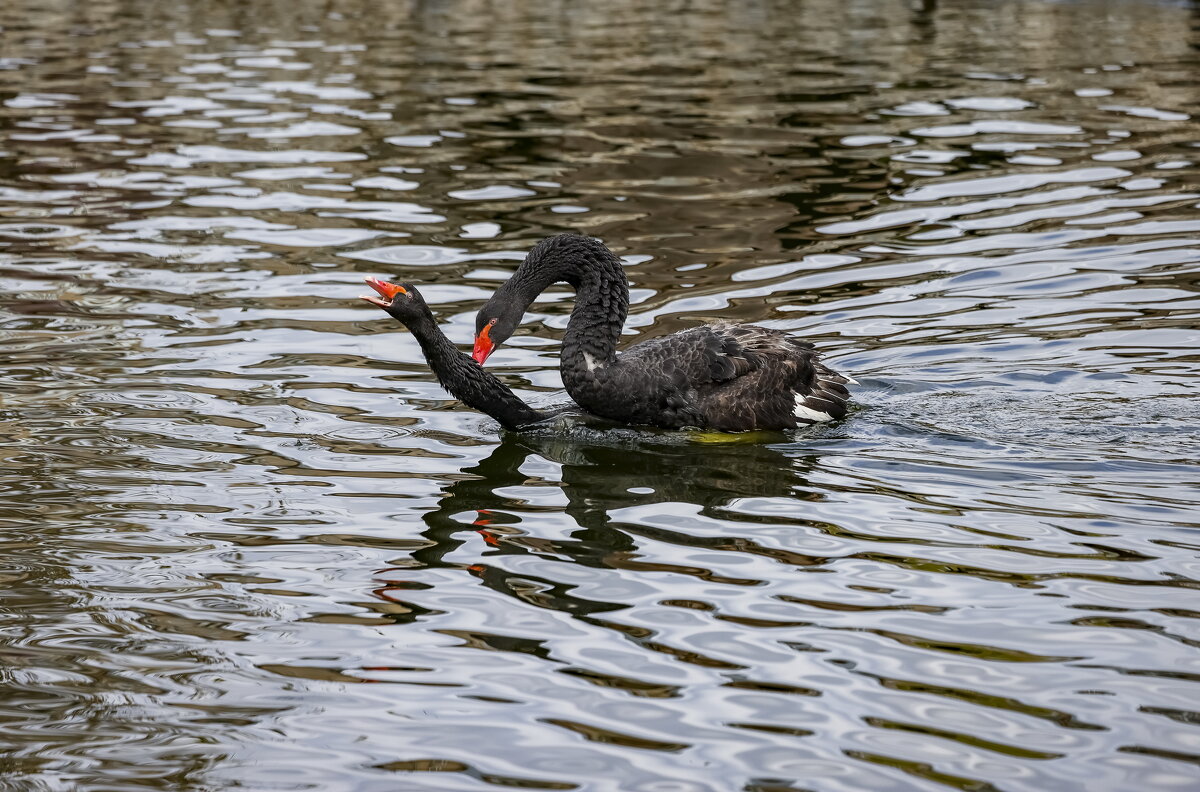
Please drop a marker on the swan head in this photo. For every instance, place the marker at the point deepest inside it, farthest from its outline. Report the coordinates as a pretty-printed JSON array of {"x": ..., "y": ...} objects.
[
  {"x": 401, "y": 300},
  {"x": 494, "y": 324}
]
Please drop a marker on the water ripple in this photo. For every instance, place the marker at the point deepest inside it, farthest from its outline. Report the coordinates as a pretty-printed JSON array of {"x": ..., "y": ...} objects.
[{"x": 250, "y": 542}]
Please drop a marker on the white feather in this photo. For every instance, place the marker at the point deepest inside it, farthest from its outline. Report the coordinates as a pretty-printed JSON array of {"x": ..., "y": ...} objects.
[{"x": 808, "y": 413}]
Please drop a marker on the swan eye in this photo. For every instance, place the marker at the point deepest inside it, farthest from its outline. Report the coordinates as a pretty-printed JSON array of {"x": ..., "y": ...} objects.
[{"x": 492, "y": 322}]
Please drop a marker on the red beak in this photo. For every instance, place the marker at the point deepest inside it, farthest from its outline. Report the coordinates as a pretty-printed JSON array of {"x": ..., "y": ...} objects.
[
  {"x": 385, "y": 289},
  {"x": 483, "y": 345}
]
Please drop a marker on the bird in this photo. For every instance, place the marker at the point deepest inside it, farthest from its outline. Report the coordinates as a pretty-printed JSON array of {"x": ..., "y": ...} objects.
[
  {"x": 721, "y": 377},
  {"x": 465, "y": 379}
]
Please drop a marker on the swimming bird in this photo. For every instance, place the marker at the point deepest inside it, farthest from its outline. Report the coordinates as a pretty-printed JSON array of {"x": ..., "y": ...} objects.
[
  {"x": 725, "y": 377},
  {"x": 465, "y": 379}
]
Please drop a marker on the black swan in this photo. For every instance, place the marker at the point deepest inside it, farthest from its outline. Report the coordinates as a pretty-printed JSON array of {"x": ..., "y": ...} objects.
[
  {"x": 727, "y": 377},
  {"x": 463, "y": 377}
]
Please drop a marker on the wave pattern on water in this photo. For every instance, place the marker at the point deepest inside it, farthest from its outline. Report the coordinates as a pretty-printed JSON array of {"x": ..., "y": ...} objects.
[{"x": 250, "y": 543}]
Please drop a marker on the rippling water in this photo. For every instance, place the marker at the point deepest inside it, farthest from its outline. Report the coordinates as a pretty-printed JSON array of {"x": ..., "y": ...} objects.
[{"x": 249, "y": 543}]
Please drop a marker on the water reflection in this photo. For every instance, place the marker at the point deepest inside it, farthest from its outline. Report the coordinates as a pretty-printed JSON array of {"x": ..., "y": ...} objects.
[
  {"x": 248, "y": 541},
  {"x": 602, "y": 469}
]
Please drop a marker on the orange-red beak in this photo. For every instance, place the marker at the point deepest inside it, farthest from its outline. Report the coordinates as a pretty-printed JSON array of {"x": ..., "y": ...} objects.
[
  {"x": 484, "y": 346},
  {"x": 385, "y": 289}
]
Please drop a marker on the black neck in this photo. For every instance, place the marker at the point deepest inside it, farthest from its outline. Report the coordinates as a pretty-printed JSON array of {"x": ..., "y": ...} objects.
[
  {"x": 601, "y": 305},
  {"x": 467, "y": 381},
  {"x": 601, "y": 294}
]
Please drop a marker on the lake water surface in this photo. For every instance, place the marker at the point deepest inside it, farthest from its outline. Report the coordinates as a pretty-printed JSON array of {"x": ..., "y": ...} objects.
[{"x": 249, "y": 543}]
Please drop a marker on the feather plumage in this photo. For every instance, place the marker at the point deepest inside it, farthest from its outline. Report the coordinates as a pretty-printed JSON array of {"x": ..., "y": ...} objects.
[{"x": 728, "y": 377}]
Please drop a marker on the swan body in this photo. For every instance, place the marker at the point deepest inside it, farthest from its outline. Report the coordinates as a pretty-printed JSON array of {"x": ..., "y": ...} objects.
[{"x": 726, "y": 377}]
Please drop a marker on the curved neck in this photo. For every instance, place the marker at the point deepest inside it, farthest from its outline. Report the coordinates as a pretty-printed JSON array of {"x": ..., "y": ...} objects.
[
  {"x": 467, "y": 381},
  {"x": 601, "y": 294},
  {"x": 601, "y": 305}
]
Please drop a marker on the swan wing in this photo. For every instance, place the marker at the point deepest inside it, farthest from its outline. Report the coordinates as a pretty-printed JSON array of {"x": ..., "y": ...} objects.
[{"x": 733, "y": 377}]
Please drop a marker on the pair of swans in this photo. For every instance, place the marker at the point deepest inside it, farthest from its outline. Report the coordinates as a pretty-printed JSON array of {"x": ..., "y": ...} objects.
[{"x": 723, "y": 377}]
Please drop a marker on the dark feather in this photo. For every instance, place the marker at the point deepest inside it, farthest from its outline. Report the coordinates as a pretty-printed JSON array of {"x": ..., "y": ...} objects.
[{"x": 723, "y": 376}]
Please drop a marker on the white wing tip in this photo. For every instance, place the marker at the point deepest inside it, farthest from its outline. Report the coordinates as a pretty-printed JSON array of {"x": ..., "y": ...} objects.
[{"x": 808, "y": 413}]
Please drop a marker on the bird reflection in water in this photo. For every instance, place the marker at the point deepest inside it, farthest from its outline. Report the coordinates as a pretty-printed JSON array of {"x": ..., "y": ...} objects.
[{"x": 602, "y": 472}]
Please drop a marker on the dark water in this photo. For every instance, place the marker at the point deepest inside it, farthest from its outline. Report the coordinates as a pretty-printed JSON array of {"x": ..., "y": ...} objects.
[{"x": 248, "y": 543}]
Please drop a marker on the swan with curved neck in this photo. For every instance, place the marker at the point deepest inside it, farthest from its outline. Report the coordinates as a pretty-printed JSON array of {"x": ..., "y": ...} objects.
[
  {"x": 465, "y": 379},
  {"x": 727, "y": 377}
]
